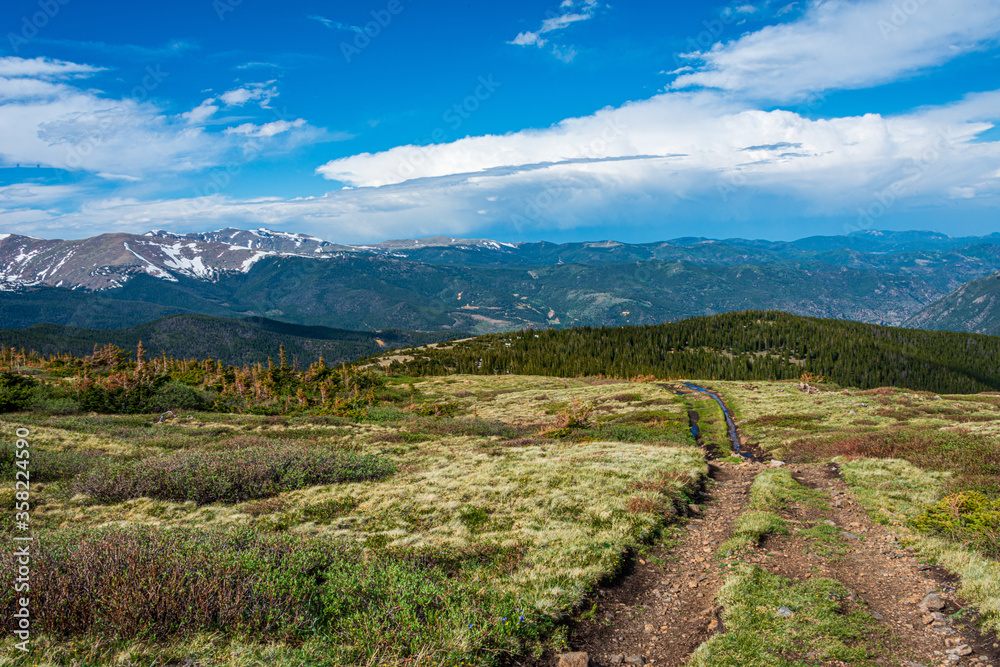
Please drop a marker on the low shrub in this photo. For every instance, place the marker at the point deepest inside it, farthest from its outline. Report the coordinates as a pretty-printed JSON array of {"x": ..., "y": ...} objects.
[
  {"x": 175, "y": 396},
  {"x": 328, "y": 510},
  {"x": 157, "y": 584},
  {"x": 232, "y": 476},
  {"x": 15, "y": 391},
  {"x": 973, "y": 457},
  {"x": 45, "y": 465},
  {"x": 965, "y": 517},
  {"x": 786, "y": 420}
]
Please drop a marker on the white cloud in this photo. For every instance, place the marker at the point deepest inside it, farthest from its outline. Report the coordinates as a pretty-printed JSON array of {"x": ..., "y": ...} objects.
[
  {"x": 44, "y": 68},
  {"x": 262, "y": 93},
  {"x": 844, "y": 45},
  {"x": 679, "y": 156},
  {"x": 33, "y": 194},
  {"x": 46, "y": 118},
  {"x": 701, "y": 132},
  {"x": 528, "y": 39},
  {"x": 201, "y": 113},
  {"x": 574, "y": 11},
  {"x": 267, "y": 129},
  {"x": 335, "y": 25},
  {"x": 255, "y": 65}
]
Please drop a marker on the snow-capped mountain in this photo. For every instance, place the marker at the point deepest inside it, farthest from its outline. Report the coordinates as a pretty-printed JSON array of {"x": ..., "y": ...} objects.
[{"x": 110, "y": 260}]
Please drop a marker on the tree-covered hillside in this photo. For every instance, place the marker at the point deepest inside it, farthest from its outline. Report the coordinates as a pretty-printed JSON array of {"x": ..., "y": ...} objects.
[
  {"x": 230, "y": 341},
  {"x": 749, "y": 345}
]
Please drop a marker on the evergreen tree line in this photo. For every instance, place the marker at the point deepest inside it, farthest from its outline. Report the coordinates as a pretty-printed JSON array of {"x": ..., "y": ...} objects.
[{"x": 748, "y": 345}]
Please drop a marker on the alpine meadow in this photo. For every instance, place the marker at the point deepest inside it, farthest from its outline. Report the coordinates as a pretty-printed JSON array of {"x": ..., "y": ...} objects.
[{"x": 572, "y": 334}]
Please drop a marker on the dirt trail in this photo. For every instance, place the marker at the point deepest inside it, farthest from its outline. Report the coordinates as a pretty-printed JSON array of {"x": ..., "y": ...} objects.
[{"x": 663, "y": 608}]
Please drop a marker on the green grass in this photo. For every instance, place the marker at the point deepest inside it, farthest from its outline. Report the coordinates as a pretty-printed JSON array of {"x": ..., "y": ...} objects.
[
  {"x": 893, "y": 490},
  {"x": 827, "y": 541},
  {"x": 823, "y": 626},
  {"x": 752, "y": 527},
  {"x": 484, "y": 520},
  {"x": 775, "y": 488},
  {"x": 772, "y": 491}
]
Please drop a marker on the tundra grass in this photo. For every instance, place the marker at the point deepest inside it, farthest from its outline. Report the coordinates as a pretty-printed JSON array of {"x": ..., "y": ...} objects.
[
  {"x": 772, "y": 491},
  {"x": 540, "y": 520},
  {"x": 771, "y": 621}
]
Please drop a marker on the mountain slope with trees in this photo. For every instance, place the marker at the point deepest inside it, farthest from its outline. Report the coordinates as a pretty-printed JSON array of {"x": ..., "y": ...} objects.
[
  {"x": 230, "y": 341},
  {"x": 750, "y": 345}
]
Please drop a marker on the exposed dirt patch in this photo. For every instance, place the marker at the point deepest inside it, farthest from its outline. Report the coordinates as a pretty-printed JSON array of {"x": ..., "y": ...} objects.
[
  {"x": 893, "y": 581},
  {"x": 664, "y": 607}
]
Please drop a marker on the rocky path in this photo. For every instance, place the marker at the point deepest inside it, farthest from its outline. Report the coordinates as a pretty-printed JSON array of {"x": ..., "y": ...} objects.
[
  {"x": 659, "y": 612},
  {"x": 664, "y": 607}
]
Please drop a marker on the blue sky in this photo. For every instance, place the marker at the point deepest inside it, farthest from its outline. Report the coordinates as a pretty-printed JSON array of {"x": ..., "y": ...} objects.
[{"x": 572, "y": 120}]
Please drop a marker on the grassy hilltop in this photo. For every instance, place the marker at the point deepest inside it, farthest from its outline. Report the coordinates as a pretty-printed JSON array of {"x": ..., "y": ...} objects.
[{"x": 360, "y": 515}]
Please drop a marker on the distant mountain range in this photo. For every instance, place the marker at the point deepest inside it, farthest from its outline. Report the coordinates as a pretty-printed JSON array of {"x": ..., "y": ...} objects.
[{"x": 478, "y": 285}]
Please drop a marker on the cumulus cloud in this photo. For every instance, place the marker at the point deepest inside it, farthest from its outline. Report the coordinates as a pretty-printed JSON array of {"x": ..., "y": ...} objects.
[
  {"x": 839, "y": 44},
  {"x": 262, "y": 93},
  {"x": 48, "y": 118},
  {"x": 681, "y": 157}
]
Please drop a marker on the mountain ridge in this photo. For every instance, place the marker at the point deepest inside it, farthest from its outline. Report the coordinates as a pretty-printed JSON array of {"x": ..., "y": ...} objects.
[
  {"x": 974, "y": 307},
  {"x": 477, "y": 285}
]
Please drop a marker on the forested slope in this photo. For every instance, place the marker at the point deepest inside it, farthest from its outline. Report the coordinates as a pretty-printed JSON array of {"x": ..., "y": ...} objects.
[{"x": 748, "y": 345}]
